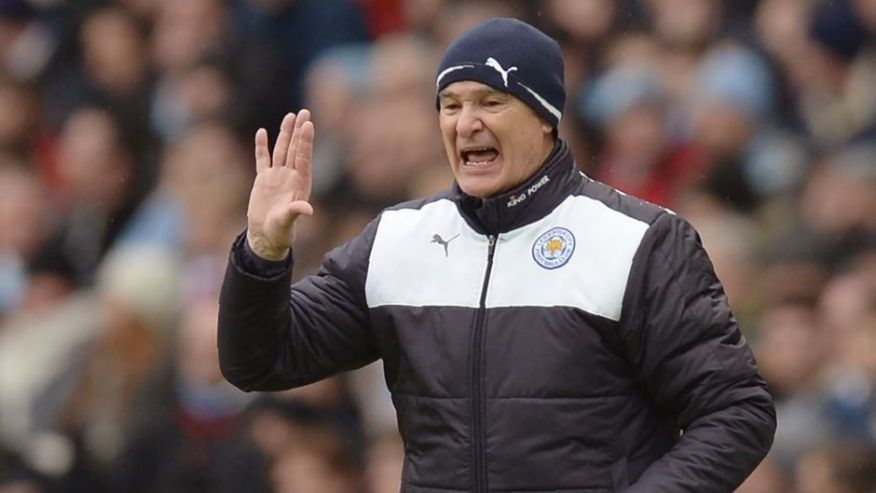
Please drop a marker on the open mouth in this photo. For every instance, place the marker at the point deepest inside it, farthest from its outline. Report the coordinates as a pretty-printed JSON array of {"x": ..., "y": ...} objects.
[{"x": 479, "y": 156}]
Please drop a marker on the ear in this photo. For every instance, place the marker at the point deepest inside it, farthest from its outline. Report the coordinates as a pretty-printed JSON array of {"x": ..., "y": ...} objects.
[{"x": 546, "y": 127}]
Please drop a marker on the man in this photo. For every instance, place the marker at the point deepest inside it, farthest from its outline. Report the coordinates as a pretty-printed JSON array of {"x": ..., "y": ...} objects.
[{"x": 539, "y": 330}]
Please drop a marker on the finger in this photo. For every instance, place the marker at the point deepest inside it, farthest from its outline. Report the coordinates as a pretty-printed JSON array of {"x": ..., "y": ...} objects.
[
  {"x": 303, "y": 117},
  {"x": 262, "y": 156},
  {"x": 304, "y": 155},
  {"x": 301, "y": 208},
  {"x": 294, "y": 211},
  {"x": 283, "y": 219},
  {"x": 281, "y": 147}
]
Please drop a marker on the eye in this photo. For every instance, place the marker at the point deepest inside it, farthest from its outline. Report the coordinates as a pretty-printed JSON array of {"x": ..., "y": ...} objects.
[
  {"x": 493, "y": 103},
  {"x": 450, "y": 107}
]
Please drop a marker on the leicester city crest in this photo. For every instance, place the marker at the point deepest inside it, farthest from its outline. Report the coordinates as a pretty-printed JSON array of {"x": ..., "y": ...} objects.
[{"x": 553, "y": 248}]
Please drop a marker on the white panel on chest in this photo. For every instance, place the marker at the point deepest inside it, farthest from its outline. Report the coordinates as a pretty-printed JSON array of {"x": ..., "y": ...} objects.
[
  {"x": 578, "y": 256},
  {"x": 426, "y": 257}
]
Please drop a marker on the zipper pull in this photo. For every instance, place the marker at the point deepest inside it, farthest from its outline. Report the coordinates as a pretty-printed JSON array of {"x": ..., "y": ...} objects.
[{"x": 492, "y": 240}]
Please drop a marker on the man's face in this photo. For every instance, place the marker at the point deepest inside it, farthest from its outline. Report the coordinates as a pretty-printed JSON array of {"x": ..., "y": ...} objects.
[{"x": 493, "y": 140}]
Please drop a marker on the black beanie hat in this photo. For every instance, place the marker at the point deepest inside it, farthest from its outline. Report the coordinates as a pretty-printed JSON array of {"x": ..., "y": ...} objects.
[{"x": 513, "y": 57}]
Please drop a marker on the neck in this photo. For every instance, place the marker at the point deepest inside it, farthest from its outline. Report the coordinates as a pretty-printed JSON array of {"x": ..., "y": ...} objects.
[{"x": 547, "y": 147}]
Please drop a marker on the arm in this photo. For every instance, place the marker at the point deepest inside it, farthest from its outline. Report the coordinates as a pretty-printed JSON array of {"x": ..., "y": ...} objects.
[
  {"x": 272, "y": 336},
  {"x": 688, "y": 353}
]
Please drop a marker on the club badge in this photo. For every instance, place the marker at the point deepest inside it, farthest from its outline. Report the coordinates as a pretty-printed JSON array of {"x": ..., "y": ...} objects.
[{"x": 553, "y": 248}]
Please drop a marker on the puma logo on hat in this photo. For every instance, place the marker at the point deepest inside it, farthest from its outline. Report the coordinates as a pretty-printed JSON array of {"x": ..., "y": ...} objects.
[{"x": 491, "y": 62}]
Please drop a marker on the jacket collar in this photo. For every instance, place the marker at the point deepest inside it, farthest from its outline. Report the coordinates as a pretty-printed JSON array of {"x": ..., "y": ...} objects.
[{"x": 529, "y": 202}]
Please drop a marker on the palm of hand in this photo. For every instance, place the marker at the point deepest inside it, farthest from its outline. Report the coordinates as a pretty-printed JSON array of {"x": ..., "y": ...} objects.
[{"x": 282, "y": 186}]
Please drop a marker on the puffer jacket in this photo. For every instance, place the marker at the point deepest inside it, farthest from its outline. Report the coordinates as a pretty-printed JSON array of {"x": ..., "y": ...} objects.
[{"x": 560, "y": 337}]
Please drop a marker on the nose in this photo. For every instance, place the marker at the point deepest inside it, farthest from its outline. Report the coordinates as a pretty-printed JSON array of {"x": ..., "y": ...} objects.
[{"x": 469, "y": 121}]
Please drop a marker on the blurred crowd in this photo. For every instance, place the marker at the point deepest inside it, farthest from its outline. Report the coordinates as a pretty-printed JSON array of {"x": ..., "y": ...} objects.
[{"x": 126, "y": 133}]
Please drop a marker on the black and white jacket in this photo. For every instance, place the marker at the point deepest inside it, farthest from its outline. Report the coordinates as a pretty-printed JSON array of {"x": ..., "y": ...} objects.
[{"x": 560, "y": 337}]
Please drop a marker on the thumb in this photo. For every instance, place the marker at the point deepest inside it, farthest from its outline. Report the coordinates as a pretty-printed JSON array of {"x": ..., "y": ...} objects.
[
  {"x": 284, "y": 217},
  {"x": 301, "y": 208}
]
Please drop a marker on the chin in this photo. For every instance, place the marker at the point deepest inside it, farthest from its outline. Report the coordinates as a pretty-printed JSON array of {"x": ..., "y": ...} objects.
[{"x": 479, "y": 190}]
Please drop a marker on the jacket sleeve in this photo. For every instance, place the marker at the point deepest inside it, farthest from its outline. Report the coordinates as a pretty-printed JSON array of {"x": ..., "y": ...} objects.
[
  {"x": 273, "y": 336},
  {"x": 687, "y": 351}
]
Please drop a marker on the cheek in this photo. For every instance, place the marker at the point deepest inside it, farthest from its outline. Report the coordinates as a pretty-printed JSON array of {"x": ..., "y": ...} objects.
[
  {"x": 525, "y": 149},
  {"x": 447, "y": 124},
  {"x": 521, "y": 142},
  {"x": 449, "y": 149},
  {"x": 448, "y": 132}
]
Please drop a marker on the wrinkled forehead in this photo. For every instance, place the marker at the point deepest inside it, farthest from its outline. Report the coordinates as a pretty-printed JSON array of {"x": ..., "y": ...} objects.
[{"x": 470, "y": 89}]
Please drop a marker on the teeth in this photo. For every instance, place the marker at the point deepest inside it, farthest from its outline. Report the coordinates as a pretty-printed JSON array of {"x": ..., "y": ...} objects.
[
  {"x": 468, "y": 157},
  {"x": 476, "y": 149}
]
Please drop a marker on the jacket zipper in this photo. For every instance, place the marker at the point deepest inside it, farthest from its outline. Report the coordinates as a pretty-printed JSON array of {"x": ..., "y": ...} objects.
[{"x": 478, "y": 438}]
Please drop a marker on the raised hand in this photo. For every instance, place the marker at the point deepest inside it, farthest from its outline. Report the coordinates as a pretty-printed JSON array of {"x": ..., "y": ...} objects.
[{"x": 281, "y": 189}]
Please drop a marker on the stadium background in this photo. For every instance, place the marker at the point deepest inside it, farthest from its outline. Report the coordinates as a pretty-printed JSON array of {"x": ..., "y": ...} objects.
[{"x": 126, "y": 159}]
